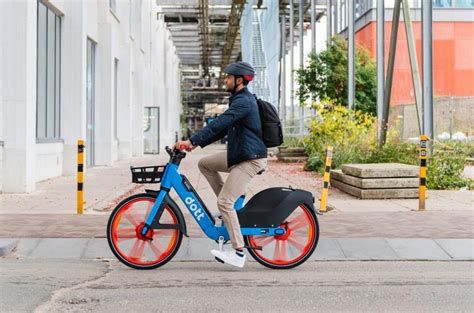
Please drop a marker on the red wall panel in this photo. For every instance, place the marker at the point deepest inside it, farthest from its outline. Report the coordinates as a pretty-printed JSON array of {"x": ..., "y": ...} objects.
[{"x": 453, "y": 58}]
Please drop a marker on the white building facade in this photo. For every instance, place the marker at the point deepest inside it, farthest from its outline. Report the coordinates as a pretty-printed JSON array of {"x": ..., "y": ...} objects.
[{"x": 104, "y": 71}]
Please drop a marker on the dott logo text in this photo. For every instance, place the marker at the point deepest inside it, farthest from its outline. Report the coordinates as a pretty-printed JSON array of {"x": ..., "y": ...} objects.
[{"x": 197, "y": 211}]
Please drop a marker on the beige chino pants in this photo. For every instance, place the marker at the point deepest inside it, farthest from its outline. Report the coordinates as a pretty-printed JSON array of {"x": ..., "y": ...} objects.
[{"x": 227, "y": 193}]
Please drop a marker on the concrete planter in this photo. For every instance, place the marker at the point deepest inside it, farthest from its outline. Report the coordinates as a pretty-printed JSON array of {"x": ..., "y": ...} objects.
[{"x": 377, "y": 181}]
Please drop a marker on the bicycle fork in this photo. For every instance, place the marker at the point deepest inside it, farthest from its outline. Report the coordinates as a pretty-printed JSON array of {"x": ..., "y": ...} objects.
[{"x": 156, "y": 211}]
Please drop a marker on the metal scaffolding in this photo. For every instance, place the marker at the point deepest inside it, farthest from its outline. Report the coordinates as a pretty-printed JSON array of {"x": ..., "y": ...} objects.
[
  {"x": 216, "y": 42},
  {"x": 232, "y": 31}
]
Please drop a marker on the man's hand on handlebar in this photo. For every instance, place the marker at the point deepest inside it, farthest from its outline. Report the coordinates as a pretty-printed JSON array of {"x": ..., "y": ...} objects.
[{"x": 184, "y": 145}]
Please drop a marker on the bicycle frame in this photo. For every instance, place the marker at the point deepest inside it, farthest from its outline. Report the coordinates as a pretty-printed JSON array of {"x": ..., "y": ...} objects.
[{"x": 172, "y": 179}]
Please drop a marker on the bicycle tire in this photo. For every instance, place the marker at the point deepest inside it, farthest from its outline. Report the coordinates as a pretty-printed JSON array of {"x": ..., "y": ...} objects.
[
  {"x": 280, "y": 246},
  {"x": 140, "y": 245}
]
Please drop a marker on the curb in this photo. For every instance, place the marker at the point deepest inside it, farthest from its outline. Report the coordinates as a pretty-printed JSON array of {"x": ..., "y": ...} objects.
[
  {"x": 7, "y": 246},
  {"x": 198, "y": 249}
]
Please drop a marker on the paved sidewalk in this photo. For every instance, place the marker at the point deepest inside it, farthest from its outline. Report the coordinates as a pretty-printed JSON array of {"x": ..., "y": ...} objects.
[
  {"x": 106, "y": 186},
  {"x": 198, "y": 249}
]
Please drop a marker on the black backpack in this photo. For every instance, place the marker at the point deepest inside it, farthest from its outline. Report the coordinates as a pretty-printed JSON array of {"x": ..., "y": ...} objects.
[{"x": 271, "y": 125}]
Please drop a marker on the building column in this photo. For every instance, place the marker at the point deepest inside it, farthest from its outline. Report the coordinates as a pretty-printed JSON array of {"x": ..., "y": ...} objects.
[
  {"x": 18, "y": 79},
  {"x": 124, "y": 99},
  {"x": 73, "y": 83},
  {"x": 137, "y": 106},
  {"x": 104, "y": 97}
]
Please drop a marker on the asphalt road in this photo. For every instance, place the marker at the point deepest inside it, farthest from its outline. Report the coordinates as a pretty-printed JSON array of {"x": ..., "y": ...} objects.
[{"x": 55, "y": 285}]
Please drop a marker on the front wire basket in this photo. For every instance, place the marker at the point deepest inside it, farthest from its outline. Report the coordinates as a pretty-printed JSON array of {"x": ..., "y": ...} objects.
[{"x": 147, "y": 174}]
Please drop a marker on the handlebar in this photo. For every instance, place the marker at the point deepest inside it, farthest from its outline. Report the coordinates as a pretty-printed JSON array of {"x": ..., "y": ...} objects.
[{"x": 176, "y": 154}]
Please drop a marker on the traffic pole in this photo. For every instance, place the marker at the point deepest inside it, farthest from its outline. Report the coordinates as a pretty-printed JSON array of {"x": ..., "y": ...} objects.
[
  {"x": 422, "y": 189},
  {"x": 80, "y": 176},
  {"x": 327, "y": 174}
]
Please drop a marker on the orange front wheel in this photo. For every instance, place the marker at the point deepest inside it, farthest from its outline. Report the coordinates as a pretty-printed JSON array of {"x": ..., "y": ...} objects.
[{"x": 124, "y": 234}]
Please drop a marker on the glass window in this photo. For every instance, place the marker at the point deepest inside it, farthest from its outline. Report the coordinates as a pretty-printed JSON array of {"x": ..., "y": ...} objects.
[
  {"x": 48, "y": 73},
  {"x": 151, "y": 130},
  {"x": 464, "y": 3},
  {"x": 90, "y": 103},
  {"x": 442, "y": 3},
  {"x": 57, "y": 77},
  {"x": 453, "y": 3},
  {"x": 362, "y": 6},
  {"x": 41, "y": 72}
]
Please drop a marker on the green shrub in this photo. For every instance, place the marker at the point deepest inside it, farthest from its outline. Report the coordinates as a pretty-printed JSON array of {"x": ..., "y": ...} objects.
[
  {"x": 446, "y": 165},
  {"x": 353, "y": 135},
  {"x": 349, "y": 132},
  {"x": 293, "y": 142}
]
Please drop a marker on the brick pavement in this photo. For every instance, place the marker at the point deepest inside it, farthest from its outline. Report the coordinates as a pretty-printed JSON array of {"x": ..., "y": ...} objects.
[{"x": 332, "y": 224}]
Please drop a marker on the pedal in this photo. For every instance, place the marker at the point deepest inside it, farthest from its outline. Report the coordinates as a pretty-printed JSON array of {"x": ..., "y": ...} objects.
[
  {"x": 260, "y": 248},
  {"x": 218, "y": 260}
]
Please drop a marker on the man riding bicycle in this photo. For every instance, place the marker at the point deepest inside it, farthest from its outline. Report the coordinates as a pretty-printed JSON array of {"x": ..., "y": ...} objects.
[{"x": 245, "y": 157}]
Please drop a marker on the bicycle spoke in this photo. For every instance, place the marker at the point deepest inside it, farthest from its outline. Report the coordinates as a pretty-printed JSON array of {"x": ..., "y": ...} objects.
[
  {"x": 157, "y": 250},
  {"x": 263, "y": 241},
  {"x": 296, "y": 219},
  {"x": 137, "y": 249},
  {"x": 126, "y": 233},
  {"x": 283, "y": 250},
  {"x": 276, "y": 253},
  {"x": 132, "y": 217},
  {"x": 150, "y": 205},
  {"x": 301, "y": 231},
  {"x": 298, "y": 223},
  {"x": 134, "y": 248},
  {"x": 297, "y": 242}
]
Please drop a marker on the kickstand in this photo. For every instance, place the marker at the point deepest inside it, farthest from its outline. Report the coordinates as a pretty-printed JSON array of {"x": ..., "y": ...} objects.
[{"x": 221, "y": 243}]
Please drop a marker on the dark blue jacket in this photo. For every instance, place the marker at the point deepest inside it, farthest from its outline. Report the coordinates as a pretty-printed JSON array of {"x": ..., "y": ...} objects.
[{"x": 241, "y": 123}]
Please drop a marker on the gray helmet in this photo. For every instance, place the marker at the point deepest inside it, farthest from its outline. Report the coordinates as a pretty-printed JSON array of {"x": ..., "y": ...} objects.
[{"x": 243, "y": 69}]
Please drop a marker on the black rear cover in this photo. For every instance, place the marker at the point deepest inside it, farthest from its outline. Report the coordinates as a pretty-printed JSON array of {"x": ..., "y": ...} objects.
[{"x": 270, "y": 207}]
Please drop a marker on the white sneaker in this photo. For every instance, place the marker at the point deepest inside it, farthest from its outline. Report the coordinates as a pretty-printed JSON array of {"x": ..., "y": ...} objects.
[
  {"x": 230, "y": 257},
  {"x": 217, "y": 215}
]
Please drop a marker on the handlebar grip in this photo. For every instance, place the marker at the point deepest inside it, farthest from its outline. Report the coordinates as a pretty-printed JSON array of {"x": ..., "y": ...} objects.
[{"x": 182, "y": 147}]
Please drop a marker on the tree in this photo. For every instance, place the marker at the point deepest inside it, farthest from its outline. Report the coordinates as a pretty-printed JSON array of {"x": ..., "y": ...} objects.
[{"x": 326, "y": 77}]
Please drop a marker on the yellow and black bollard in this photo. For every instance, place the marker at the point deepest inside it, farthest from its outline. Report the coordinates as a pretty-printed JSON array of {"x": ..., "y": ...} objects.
[
  {"x": 80, "y": 176},
  {"x": 327, "y": 173},
  {"x": 422, "y": 189}
]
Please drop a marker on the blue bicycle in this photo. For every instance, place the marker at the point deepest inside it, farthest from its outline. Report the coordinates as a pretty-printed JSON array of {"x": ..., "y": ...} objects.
[{"x": 144, "y": 231}]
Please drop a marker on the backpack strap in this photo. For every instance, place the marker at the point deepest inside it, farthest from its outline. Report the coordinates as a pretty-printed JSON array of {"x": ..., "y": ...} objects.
[{"x": 259, "y": 117}]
